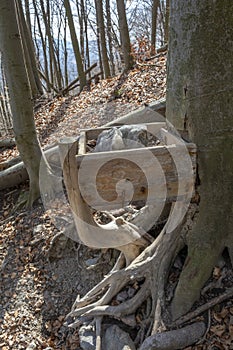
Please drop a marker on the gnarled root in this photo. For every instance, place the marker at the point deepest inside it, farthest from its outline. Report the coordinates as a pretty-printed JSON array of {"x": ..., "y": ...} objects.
[{"x": 149, "y": 270}]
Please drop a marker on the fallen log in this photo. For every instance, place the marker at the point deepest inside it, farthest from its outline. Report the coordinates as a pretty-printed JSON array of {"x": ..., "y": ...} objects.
[
  {"x": 13, "y": 176},
  {"x": 71, "y": 85},
  {"x": 17, "y": 174},
  {"x": 9, "y": 163},
  {"x": 8, "y": 142}
]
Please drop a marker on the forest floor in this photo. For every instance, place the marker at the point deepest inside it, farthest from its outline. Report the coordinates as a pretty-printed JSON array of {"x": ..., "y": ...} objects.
[{"x": 39, "y": 284}]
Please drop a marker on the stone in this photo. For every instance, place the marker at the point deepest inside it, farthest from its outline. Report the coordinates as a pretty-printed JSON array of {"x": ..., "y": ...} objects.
[
  {"x": 116, "y": 339},
  {"x": 87, "y": 337},
  {"x": 125, "y": 137}
]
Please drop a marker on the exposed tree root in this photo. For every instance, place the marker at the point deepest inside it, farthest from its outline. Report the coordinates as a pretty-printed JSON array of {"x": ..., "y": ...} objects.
[
  {"x": 191, "y": 315},
  {"x": 175, "y": 339},
  {"x": 150, "y": 269}
]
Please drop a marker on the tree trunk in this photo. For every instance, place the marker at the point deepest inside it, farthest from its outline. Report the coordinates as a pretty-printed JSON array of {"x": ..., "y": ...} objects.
[
  {"x": 66, "y": 74},
  {"x": 5, "y": 112},
  {"x": 43, "y": 44},
  {"x": 28, "y": 16},
  {"x": 29, "y": 54},
  {"x": 199, "y": 100},
  {"x": 109, "y": 34},
  {"x": 124, "y": 32},
  {"x": 99, "y": 49},
  {"x": 166, "y": 24},
  {"x": 78, "y": 58},
  {"x": 81, "y": 28},
  {"x": 87, "y": 52},
  {"x": 154, "y": 25},
  {"x": 100, "y": 23},
  {"x": 21, "y": 104},
  {"x": 54, "y": 69}
]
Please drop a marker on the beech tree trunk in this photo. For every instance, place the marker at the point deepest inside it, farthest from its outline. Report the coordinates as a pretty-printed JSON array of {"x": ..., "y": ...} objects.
[
  {"x": 100, "y": 23},
  {"x": 55, "y": 73},
  {"x": 78, "y": 58},
  {"x": 29, "y": 54},
  {"x": 200, "y": 100},
  {"x": 20, "y": 97},
  {"x": 43, "y": 44},
  {"x": 124, "y": 32}
]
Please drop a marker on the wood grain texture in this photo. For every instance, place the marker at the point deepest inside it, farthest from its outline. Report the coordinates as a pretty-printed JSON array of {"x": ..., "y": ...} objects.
[{"x": 141, "y": 168}]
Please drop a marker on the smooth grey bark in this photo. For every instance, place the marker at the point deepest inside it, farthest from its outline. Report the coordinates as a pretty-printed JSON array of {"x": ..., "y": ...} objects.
[
  {"x": 5, "y": 112},
  {"x": 29, "y": 54},
  {"x": 103, "y": 46},
  {"x": 75, "y": 44},
  {"x": 200, "y": 101},
  {"x": 28, "y": 16},
  {"x": 124, "y": 33},
  {"x": 55, "y": 74},
  {"x": 20, "y": 98},
  {"x": 43, "y": 44}
]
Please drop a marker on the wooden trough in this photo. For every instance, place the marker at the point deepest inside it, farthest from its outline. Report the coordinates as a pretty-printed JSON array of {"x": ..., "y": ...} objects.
[{"x": 113, "y": 179}]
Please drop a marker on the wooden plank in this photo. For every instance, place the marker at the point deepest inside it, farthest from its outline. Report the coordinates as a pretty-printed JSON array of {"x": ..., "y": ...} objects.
[
  {"x": 170, "y": 139},
  {"x": 82, "y": 143},
  {"x": 106, "y": 179},
  {"x": 92, "y": 134}
]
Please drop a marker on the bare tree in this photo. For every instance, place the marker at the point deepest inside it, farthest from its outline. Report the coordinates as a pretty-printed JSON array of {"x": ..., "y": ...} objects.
[
  {"x": 42, "y": 44},
  {"x": 124, "y": 33},
  {"x": 101, "y": 28},
  {"x": 29, "y": 54},
  {"x": 21, "y": 103},
  {"x": 55, "y": 73},
  {"x": 166, "y": 24},
  {"x": 78, "y": 58},
  {"x": 200, "y": 101},
  {"x": 109, "y": 34},
  {"x": 155, "y": 6}
]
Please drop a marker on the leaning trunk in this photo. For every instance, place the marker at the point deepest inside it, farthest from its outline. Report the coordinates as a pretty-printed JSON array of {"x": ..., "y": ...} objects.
[{"x": 199, "y": 100}]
